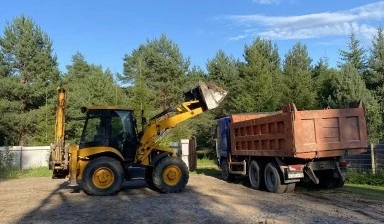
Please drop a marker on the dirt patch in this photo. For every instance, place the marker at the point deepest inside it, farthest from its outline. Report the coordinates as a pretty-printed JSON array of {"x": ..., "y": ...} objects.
[{"x": 205, "y": 200}]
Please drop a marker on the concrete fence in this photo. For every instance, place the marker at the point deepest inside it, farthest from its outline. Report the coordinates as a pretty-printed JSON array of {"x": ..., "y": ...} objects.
[
  {"x": 38, "y": 156},
  {"x": 370, "y": 161},
  {"x": 28, "y": 157}
]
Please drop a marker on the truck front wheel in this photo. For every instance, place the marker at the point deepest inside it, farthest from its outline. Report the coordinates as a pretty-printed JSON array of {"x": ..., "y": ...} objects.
[
  {"x": 272, "y": 179},
  {"x": 225, "y": 172},
  {"x": 170, "y": 175},
  {"x": 102, "y": 176}
]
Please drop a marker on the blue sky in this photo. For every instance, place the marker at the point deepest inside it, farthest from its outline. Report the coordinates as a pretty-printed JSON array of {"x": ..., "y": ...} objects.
[{"x": 104, "y": 31}]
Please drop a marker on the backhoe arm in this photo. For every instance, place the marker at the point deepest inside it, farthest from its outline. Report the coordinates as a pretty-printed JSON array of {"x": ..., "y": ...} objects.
[{"x": 59, "y": 151}]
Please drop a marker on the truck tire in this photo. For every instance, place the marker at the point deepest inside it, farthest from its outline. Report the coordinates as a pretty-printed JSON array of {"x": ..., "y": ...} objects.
[
  {"x": 225, "y": 174},
  {"x": 272, "y": 179},
  {"x": 170, "y": 175},
  {"x": 254, "y": 175},
  {"x": 102, "y": 176}
]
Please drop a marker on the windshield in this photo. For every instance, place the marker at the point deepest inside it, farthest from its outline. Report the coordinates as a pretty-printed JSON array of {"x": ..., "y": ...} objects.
[{"x": 94, "y": 128}]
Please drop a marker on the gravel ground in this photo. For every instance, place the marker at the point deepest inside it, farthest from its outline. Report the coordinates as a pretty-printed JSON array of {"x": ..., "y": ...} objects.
[{"x": 205, "y": 200}]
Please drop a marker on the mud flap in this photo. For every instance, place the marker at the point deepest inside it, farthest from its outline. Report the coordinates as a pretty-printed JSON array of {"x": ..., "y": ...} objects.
[
  {"x": 311, "y": 174},
  {"x": 340, "y": 173}
]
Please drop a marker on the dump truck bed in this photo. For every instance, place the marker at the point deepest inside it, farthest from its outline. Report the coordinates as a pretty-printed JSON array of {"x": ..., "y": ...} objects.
[{"x": 300, "y": 134}]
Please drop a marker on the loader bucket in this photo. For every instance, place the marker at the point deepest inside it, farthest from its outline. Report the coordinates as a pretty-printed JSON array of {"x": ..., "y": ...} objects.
[{"x": 209, "y": 95}]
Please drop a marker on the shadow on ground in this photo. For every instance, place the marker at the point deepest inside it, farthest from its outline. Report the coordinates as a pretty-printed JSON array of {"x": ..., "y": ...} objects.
[
  {"x": 205, "y": 200},
  {"x": 135, "y": 203}
]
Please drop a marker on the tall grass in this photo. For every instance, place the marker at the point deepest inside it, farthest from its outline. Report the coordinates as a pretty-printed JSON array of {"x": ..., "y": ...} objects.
[{"x": 367, "y": 178}]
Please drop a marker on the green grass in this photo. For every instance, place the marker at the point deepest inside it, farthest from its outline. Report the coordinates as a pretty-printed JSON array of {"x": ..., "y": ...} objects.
[
  {"x": 371, "y": 192},
  {"x": 9, "y": 172},
  {"x": 14, "y": 173},
  {"x": 37, "y": 172},
  {"x": 206, "y": 162},
  {"x": 208, "y": 167}
]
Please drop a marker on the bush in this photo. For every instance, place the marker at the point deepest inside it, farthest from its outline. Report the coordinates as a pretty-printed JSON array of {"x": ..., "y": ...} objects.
[
  {"x": 7, "y": 169},
  {"x": 6, "y": 158},
  {"x": 368, "y": 178}
]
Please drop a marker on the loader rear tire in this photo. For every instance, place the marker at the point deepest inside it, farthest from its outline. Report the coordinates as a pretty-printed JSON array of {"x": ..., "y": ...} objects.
[
  {"x": 170, "y": 175},
  {"x": 102, "y": 176},
  {"x": 273, "y": 180}
]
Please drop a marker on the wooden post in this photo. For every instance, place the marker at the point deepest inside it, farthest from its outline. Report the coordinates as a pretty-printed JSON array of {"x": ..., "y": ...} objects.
[{"x": 373, "y": 159}]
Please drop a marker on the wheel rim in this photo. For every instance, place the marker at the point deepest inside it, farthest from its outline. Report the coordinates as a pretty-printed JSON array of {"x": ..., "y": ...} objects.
[
  {"x": 103, "y": 177},
  {"x": 172, "y": 175}
]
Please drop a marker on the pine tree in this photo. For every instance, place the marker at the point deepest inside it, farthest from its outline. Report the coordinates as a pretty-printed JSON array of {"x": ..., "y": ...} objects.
[
  {"x": 325, "y": 79},
  {"x": 223, "y": 70},
  {"x": 87, "y": 85},
  {"x": 355, "y": 55},
  {"x": 163, "y": 68},
  {"x": 374, "y": 76},
  {"x": 350, "y": 87},
  {"x": 257, "y": 88},
  {"x": 28, "y": 73},
  {"x": 299, "y": 88}
]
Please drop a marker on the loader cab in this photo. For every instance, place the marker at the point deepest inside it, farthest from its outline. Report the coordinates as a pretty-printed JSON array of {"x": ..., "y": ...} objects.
[{"x": 111, "y": 127}]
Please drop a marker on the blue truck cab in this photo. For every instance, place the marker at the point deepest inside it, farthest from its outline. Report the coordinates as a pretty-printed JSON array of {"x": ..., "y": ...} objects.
[{"x": 223, "y": 141}]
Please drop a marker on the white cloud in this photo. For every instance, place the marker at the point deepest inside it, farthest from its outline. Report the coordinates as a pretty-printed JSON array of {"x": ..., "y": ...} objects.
[
  {"x": 312, "y": 25},
  {"x": 266, "y": 2}
]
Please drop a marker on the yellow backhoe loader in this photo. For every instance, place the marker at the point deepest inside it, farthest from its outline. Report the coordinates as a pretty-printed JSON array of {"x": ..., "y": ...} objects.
[{"x": 111, "y": 149}]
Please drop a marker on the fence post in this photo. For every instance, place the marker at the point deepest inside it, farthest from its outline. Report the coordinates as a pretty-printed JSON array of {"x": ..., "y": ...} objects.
[
  {"x": 21, "y": 157},
  {"x": 373, "y": 159}
]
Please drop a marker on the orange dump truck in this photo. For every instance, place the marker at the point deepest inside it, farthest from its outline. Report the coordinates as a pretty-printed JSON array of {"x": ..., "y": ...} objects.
[{"x": 279, "y": 149}]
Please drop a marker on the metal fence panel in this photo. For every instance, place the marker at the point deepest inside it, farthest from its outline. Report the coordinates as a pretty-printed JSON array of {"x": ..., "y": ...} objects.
[{"x": 368, "y": 162}]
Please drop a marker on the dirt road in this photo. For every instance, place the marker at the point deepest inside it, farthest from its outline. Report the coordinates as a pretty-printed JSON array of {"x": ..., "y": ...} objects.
[{"x": 205, "y": 200}]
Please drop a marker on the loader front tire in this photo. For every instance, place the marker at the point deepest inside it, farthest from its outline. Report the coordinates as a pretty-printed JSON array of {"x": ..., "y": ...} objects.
[
  {"x": 170, "y": 175},
  {"x": 102, "y": 176}
]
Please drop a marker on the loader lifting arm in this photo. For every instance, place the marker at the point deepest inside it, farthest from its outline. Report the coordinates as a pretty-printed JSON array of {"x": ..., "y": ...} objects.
[{"x": 197, "y": 100}]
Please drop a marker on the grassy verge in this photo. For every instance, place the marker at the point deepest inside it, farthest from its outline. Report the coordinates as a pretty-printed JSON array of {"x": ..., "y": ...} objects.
[
  {"x": 206, "y": 162},
  {"x": 365, "y": 178},
  {"x": 371, "y": 192},
  {"x": 207, "y": 167},
  {"x": 14, "y": 173}
]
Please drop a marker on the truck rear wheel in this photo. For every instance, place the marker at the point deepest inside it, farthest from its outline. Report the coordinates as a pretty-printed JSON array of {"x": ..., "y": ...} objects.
[
  {"x": 170, "y": 175},
  {"x": 225, "y": 173},
  {"x": 102, "y": 176},
  {"x": 254, "y": 175},
  {"x": 272, "y": 179}
]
